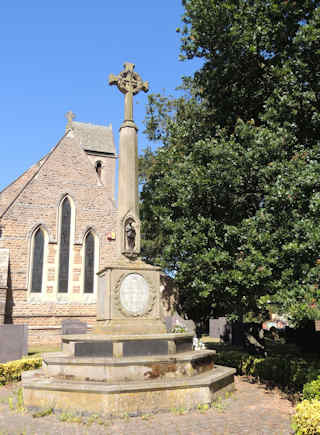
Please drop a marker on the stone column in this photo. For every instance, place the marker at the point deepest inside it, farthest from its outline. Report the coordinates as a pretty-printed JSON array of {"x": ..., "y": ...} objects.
[
  {"x": 129, "y": 83},
  {"x": 128, "y": 171},
  {"x": 128, "y": 200}
]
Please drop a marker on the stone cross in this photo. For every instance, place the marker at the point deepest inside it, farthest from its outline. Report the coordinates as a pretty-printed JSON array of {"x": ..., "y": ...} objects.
[
  {"x": 129, "y": 83},
  {"x": 70, "y": 117}
]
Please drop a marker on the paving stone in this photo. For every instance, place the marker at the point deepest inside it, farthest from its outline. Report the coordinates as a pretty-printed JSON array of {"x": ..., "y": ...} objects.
[{"x": 250, "y": 410}]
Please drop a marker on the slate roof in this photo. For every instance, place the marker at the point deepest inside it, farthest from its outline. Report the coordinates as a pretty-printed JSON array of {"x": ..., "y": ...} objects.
[{"x": 95, "y": 138}]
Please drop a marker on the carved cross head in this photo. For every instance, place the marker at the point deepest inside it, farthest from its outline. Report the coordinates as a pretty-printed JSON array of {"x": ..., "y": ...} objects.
[{"x": 128, "y": 81}]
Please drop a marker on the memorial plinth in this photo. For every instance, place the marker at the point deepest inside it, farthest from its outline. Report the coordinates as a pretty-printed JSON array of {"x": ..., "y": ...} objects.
[
  {"x": 135, "y": 374},
  {"x": 126, "y": 398},
  {"x": 129, "y": 299},
  {"x": 131, "y": 374},
  {"x": 129, "y": 364}
]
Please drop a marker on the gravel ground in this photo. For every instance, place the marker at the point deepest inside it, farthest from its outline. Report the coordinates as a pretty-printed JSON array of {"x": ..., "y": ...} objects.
[{"x": 251, "y": 409}]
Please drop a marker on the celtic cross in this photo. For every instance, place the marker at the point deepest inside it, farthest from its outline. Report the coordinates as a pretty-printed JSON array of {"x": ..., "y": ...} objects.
[{"x": 129, "y": 83}]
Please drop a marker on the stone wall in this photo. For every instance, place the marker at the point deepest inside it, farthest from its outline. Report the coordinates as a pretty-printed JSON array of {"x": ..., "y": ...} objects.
[{"x": 67, "y": 170}]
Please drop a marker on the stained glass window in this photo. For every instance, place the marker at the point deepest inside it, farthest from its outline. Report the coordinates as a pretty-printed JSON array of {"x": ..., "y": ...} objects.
[
  {"x": 64, "y": 253},
  {"x": 89, "y": 263},
  {"x": 37, "y": 261}
]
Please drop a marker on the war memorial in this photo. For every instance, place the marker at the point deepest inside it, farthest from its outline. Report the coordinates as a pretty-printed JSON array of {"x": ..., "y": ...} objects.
[{"x": 129, "y": 363}]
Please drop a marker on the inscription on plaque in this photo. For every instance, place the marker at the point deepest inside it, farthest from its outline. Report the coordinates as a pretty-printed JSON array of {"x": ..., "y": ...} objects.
[{"x": 134, "y": 293}]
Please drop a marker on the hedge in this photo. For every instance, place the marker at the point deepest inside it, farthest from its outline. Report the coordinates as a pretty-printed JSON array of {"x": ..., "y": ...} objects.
[
  {"x": 286, "y": 372},
  {"x": 311, "y": 390},
  {"x": 11, "y": 371},
  {"x": 306, "y": 420}
]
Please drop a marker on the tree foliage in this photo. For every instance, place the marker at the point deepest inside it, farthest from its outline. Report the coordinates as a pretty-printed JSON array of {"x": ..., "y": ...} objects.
[{"x": 231, "y": 200}]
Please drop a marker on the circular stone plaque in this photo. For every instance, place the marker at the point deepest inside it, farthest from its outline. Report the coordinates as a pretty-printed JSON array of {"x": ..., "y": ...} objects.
[{"x": 134, "y": 293}]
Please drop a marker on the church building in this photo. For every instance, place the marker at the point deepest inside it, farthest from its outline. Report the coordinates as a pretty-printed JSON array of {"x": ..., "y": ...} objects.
[{"x": 57, "y": 230}]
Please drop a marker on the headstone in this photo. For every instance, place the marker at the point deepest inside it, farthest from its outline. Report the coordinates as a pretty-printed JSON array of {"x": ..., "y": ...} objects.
[
  {"x": 248, "y": 335},
  {"x": 175, "y": 321},
  {"x": 220, "y": 329},
  {"x": 13, "y": 342},
  {"x": 74, "y": 326},
  {"x": 238, "y": 334}
]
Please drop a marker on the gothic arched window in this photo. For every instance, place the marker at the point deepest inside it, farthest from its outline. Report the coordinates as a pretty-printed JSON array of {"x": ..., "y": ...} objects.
[
  {"x": 89, "y": 263},
  {"x": 37, "y": 261},
  {"x": 64, "y": 253}
]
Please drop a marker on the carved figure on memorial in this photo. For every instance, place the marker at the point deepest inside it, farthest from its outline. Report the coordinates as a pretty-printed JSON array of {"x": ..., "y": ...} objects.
[
  {"x": 129, "y": 83},
  {"x": 130, "y": 234}
]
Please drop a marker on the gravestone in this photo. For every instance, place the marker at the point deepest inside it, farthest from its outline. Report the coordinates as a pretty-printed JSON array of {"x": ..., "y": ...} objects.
[
  {"x": 4, "y": 264},
  {"x": 13, "y": 342},
  {"x": 176, "y": 321},
  {"x": 238, "y": 334},
  {"x": 220, "y": 329},
  {"x": 74, "y": 326}
]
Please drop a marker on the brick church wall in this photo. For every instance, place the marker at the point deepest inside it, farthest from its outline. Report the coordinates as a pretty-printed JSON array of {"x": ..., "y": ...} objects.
[{"x": 67, "y": 170}]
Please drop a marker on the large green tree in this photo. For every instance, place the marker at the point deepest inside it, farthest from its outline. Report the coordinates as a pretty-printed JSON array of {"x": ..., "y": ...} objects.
[{"x": 231, "y": 200}]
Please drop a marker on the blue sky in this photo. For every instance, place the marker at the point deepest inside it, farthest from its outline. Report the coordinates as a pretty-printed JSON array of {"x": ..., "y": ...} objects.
[{"x": 57, "y": 56}]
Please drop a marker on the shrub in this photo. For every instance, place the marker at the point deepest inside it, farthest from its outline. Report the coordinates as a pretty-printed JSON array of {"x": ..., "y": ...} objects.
[
  {"x": 11, "y": 371},
  {"x": 311, "y": 390},
  {"x": 233, "y": 358},
  {"x": 287, "y": 373},
  {"x": 306, "y": 420}
]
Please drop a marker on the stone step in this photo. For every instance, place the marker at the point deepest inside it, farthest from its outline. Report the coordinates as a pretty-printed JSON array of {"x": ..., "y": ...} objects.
[
  {"x": 128, "y": 369},
  {"x": 62, "y": 358},
  {"x": 117, "y": 346},
  {"x": 41, "y": 391}
]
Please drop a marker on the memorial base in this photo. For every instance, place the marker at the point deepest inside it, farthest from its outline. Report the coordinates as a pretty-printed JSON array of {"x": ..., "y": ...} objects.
[
  {"x": 130, "y": 398},
  {"x": 134, "y": 374}
]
